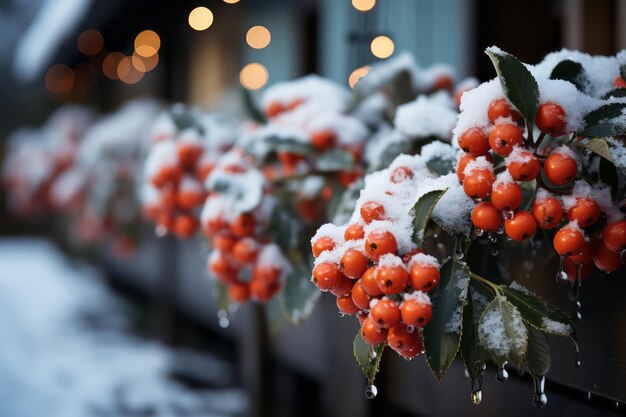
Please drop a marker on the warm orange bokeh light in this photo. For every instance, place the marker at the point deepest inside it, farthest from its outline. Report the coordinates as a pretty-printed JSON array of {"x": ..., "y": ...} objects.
[
  {"x": 382, "y": 46},
  {"x": 253, "y": 76},
  {"x": 200, "y": 18},
  {"x": 363, "y": 5},
  {"x": 59, "y": 79},
  {"x": 90, "y": 42},
  {"x": 147, "y": 43},
  {"x": 127, "y": 72},
  {"x": 145, "y": 64},
  {"x": 110, "y": 63},
  {"x": 258, "y": 37},
  {"x": 357, "y": 74},
  {"x": 231, "y": 1}
]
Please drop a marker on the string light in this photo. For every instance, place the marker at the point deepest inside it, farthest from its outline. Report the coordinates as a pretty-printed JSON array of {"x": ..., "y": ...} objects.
[
  {"x": 253, "y": 76},
  {"x": 382, "y": 47},
  {"x": 200, "y": 18}
]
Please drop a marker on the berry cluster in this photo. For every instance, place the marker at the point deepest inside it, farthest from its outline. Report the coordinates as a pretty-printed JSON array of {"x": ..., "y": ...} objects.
[
  {"x": 576, "y": 209},
  {"x": 241, "y": 257},
  {"x": 372, "y": 266},
  {"x": 176, "y": 168}
]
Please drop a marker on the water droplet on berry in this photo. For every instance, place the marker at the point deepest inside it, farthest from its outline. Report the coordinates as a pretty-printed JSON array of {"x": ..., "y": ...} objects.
[
  {"x": 406, "y": 358},
  {"x": 410, "y": 329},
  {"x": 502, "y": 375},
  {"x": 500, "y": 230},
  {"x": 478, "y": 231},
  {"x": 493, "y": 238},
  {"x": 494, "y": 252},
  {"x": 435, "y": 235},
  {"x": 476, "y": 397},
  {"x": 371, "y": 391},
  {"x": 459, "y": 253},
  {"x": 539, "y": 398},
  {"x": 341, "y": 314}
]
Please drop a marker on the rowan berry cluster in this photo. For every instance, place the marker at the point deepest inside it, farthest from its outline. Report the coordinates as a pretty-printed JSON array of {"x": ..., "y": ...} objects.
[
  {"x": 372, "y": 266},
  {"x": 242, "y": 258},
  {"x": 590, "y": 227}
]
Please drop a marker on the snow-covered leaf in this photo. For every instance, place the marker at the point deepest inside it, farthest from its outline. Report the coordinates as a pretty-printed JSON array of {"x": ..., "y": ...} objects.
[
  {"x": 617, "y": 93},
  {"x": 251, "y": 107},
  {"x": 334, "y": 160},
  {"x": 473, "y": 354},
  {"x": 347, "y": 203},
  {"x": 441, "y": 166},
  {"x": 571, "y": 71},
  {"x": 442, "y": 335},
  {"x": 299, "y": 294},
  {"x": 538, "y": 359},
  {"x": 598, "y": 146},
  {"x": 601, "y": 122},
  {"x": 518, "y": 84},
  {"x": 539, "y": 313},
  {"x": 423, "y": 209},
  {"x": 368, "y": 363},
  {"x": 502, "y": 332},
  {"x": 244, "y": 192}
]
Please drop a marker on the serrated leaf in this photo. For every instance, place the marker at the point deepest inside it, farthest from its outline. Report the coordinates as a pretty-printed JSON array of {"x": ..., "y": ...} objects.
[
  {"x": 473, "y": 354},
  {"x": 538, "y": 359},
  {"x": 502, "y": 332},
  {"x": 601, "y": 122},
  {"x": 442, "y": 335},
  {"x": 571, "y": 71},
  {"x": 599, "y": 147},
  {"x": 334, "y": 160},
  {"x": 363, "y": 355},
  {"x": 518, "y": 84},
  {"x": 299, "y": 294},
  {"x": 539, "y": 313},
  {"x": 423, "y": 208}
]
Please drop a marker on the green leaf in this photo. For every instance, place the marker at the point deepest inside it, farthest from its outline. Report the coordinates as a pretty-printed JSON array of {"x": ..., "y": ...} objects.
[
  {"x": 245, "y": 192},
  {"x": 347, "y": 203},
  {"x": 502, "y": 332},
  {"x": 598, "y": 146},
  {"x": 441, "y": 166},
  {"x": 423, "y": 208},
  {"x": 570, "y": 71},
  {"x": 442, "y": 335},
  {"x": 391, "y": 152},
  {"x": 299, "y": 294},
  {"x": 538, "y": 359},
  {"x": 607, "y": 173},
  {"x": 539, "y": 313},
  {"x": 221, "y": 295},
  {"x": 363, "y": 355},
  {"x": 473, "y": 354},
  {"x": 601, "y": 122},
  {"x": 251, "y": 107},
  {"x": 284, "y": 144},
  {"x": 284, "y": 229},
  {"x": 518, "y": 84},
  {"x": 334, "y": 160}
]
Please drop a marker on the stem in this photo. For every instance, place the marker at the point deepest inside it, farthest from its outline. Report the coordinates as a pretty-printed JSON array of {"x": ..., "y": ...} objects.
[
  {"x": 539, "y": 140},
  {"x": 569, "y": 142},
  {"x": 529, "y": 128},
  {"x": 541, "y": 183},
  {"x": 494, "y": 287}
]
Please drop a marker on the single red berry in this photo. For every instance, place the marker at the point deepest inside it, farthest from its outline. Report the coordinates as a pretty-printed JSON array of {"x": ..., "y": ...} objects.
[
  {"x": 369, "y": 283},
  {"x": 324, "y": 139},
  {"x": 503, "y": 137},
  {"x": 344, "y": 287},
  {"x": 371, "y": 211},
  {"x": 385, "y": 313},
  {"x": 379, "y": 243},
  {"x": 486, "y": 216},
  {"x": 322, "y": 244},
  {"x": 371, "y": 333},
  {"x": 501, "y": 108},
  {"x": 568, "y": 241},
  {"x": 586, "y": 211},
  {"x": 239, "y": 292},
  {"x": 354, "y": 231},
  {"x": 346, "y": 305},
  {"x": 586, "y": 254},
  {"x": 243, "y": 225},
  {"x": 614, "y": 236},
  {"x": 424, "y": 277},
  {"x": 353, "y": 263},
  {"x": 525, "y": 168},
  {"x": 551, "y": 119},
  {"x": 560, "y": 169},
  {"x": 360, "y": 297},
  {"x": 619, "y": 82},
  {"x": 506, "y": 196},
  {"x": 392, "y": 279},
  {"x": 402, "y": 338},
  {"x": 606, "y": 260},
  {"x": 326, "y": 276},
  {"x": 466, "y": 159},
  {"x": 401, "y": 174},
  {"x": 548, "y": 212},
  {"x": 521, "y": 227},
  {"x": 416, "y": 313},
  {"x": 477, "y": 184},
  {"x": 474, "y": 141}
]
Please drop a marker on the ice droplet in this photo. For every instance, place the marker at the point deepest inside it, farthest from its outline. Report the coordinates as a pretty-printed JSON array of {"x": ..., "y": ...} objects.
[
  {"x": 502, "y": 375},
  {"x": 577, "y": 362},
  {"x": 561, "y": 275},
  {"x": 478, "y": 231},
  {"x": 459, "y": 253},
  {"x": 494, "y": 252},
  {"x": 410, "y": 329},
  {"x": 508, "y": 215},
  {"x": 493, "y": 238},
  {"x": 476, "y": 397},
  {"x": 341, "y": 314},
  {"x": 371, "y": 391},
  {"x": 224, "y": 322},
  {"x": 500, "y": 230},
  {"x": 539, "y": 398},
  {"x": 576, "y": 293}
]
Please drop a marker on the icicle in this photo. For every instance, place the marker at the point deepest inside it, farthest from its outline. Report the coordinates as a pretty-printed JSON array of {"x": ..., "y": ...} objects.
[
  {"x": 458, "y": 254},
  {"x": 561, "y": 275},
  {"x": 476, "y": 395},
  {"x": 502, "y": 375},
  {"x": 576, "y": 292},
  {"x": 539, "y": 398},
  {"x": 577, "y": 362},
  {"x": 371, "y": 391}
]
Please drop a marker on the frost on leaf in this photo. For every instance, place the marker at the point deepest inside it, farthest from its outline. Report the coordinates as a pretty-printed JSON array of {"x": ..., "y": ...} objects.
[{"x": 502, "y": 331}]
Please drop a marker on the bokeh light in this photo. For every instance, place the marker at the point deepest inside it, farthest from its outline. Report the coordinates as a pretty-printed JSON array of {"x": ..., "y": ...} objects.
[
  {"x": 253, "y": 76},
  {"x": 110, "y": 63},
  {"x": 357, "y": 74},
  {"x": 363, "y": 5},
  {"x": 147, "y": 63},
  {"x": 147, "y": 43},
  {"x": 127, "y": 72},
  {"x": 382, "y": 46},
  {"x": 200, "y": 18},
  {"x": 59, "y": 79},
  {"x": 90, "y": 42},
  {"x": 231, "y": 1},
  {"x": 258, "y": 37}
]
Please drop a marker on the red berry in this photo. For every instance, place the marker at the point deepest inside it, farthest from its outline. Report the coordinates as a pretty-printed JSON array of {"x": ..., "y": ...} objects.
[
  {"x": 560, "y": 169},
  {"x": 360, "y": 297},
  {"x": 614, "y": 236},
  {"x": 402, "y": 338},
  {"x": 344, "y": 287},
  {"x": 371, "y": 211},
  {"x": 550, "y": 119},
  {"x": 416, "y": 313},
  {"x": 385, "y": 313},
  {"x": 568, "y": 241},
  {"x": 392, "y": 279},
  {"x": 371, "y": 333},
  {"x": 474, "y": 142},
  {"x": 606, "y": 260},
  {"x": 586, "y": 212},
  {"x": 506, "y": 196},
  {"x": 527, "y": 170},
  {"x": 354, "y": 231},
  {"x": 353, "y": 263},
  {"x": 477, "y": 184},
  {"x": 501, "y": 108},
  {"x": 345, "y": 304},
  {"x": 424, "y": 277},
  {"x": 521, "y": 227},
  {"x": 486, "y": 216},
  {"x": 503, "y": 137},
  {"x": 239, "y": 292},
  {"x": 326, "y": 276},
  {"x": 378, "y": 243},
  {"x": 324, "y": 139},
  {"x": 369, "y": 283},
  {"x": 619, "y": 82},
  {"x": 322, "y": 244},
  {"x": 401, "y": 174},
  {"x": 243, "y": 225},
  {"x": 548, "y": 212}
]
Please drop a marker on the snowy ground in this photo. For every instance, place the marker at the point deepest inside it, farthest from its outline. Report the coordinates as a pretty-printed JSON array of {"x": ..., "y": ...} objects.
[{"x": 66, "y": 349}]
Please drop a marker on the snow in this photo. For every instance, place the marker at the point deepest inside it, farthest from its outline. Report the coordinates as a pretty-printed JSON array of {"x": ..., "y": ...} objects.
[
  {"x": 519, "y": 155},
  {"x": 348, "y": 130},
  {"x": 556, "y": 327},
  {"x": 389, "y": 260},
  {"x": 503, "y": 178},
  {"x": 479, "y": 163},
  {"x": 309, "y": 88},
  {"x": 419, "y": 296},
  {"x": 329, "y": 230},
  {"x": 599, "y": 192},
  {"x": 474, "y": 105},
  {"x": 427, "y": 116},
  {"x": 66, "y": 350},
  {"x": 618, "y": 152},
  {"x": 271, "y": 255},
  {"x": 423, "y": 259},
  {"x": 453, "y": 325},
  {"x": 438, "y": 150},
  {"x": 493, "y": 335}
]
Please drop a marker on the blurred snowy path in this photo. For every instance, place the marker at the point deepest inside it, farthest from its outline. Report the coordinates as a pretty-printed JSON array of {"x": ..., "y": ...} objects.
[{"x": 65, "y": 348}]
